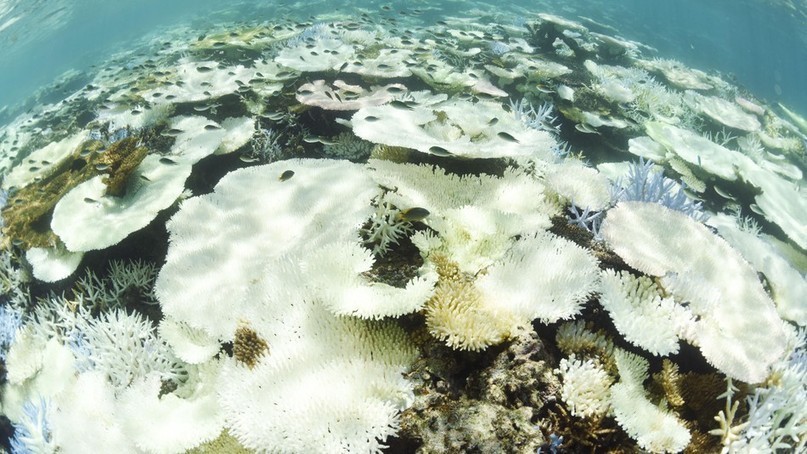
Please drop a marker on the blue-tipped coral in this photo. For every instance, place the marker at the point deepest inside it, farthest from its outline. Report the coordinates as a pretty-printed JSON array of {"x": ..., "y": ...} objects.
[
  {"x": 645, "y": 184},
  {"x": 10, "y": 322},
  {"x": 32, "y": 432},
  {"x": 540, "y": 119}
]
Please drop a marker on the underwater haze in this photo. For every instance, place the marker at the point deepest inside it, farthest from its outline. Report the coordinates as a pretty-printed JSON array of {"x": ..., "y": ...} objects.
[
  {"x": 762, "y": 44},
  {"x": 309, "y": 226}
]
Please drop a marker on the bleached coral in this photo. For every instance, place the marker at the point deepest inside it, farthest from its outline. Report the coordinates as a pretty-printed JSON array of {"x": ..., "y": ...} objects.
[
  {"x": 347, "y": 146},
  {"x": 702, "y": 270},
  {"x": 475, "y": 216},
  {"x": 125, "y": 347},
  {"x": 454, "y": 127},
  {"x": 167, "y": 423},
  {"x": 586, "y": 387},
  {"x": 324, "y": 201},
  {"x": 386, "y": 227},
  {"x": 280, "y": 404},
  {"x": 32, "y": 433},
  {"x": 653, "y": 429},
  {"x": 336, "y": 278},
  {"x": 634, "y": 304},
  {"x": 577, "y": 183},
  {"x": 458, "y": 315},
  {"x": 777, "y": 419},
  {"x": 788, "y": 285},
  {"x": 542, "y": 277},
  {"x": 86, "y": 218},
  {"x": 343, "y": 96}
]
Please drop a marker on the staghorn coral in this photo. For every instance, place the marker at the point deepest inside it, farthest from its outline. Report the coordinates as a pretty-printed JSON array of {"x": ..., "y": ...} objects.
[{"x": 32, "y": 433}]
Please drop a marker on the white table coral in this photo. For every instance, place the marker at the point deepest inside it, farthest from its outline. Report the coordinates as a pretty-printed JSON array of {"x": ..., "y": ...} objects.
[{"x": 738, "y": 330}]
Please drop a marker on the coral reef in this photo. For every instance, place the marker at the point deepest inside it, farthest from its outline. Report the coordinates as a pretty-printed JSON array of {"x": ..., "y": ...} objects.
[
  {"x": 381, "y": 233},
  {"x": 491, "y": 410}
]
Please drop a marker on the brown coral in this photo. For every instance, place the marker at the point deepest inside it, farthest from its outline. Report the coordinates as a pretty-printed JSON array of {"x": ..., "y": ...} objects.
[
  {"x": 27, "y": 216},
  {"x": 248, "y": 347},
  {"x": 119, "y": 161}
]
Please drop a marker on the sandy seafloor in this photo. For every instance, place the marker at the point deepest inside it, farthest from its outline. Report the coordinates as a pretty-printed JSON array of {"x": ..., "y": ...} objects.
[{"x": 400, "y": 227}]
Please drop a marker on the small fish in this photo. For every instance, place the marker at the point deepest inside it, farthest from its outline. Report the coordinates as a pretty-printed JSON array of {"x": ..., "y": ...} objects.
[
  {"x": 507, "y": 137},
  {"x": 439, "y": 151},
  {"x": 248, "y": 159},
  {"x": 371, "y": 118},
  {"x": 101, "y": 167},
  {"x": 344, "y": 65},
  {"x": 84, "y": 153},
  {"x": 544, "y": 89},
  {"x": 212, "y": 127},
  {"x": 400, "y": 105},
  {"x": 204, "y": 69},
  {"x": 394, "y": 89},
  {"x": 276, "y": 116},
  {"x": 168, "y": 161},
  {"x": 493, "y": 121},
  {"x": 286, "y": 175},
  {"x": 145, "y": 178},
  {"x": 584, "y": 128},
  {"x": 173, "y": 132},
  {"x": 305, "y": 92},
  {"x": 89, "y": 200},
  {"x": 723, "y": 193},
  {"x": 414, "y": 214}
]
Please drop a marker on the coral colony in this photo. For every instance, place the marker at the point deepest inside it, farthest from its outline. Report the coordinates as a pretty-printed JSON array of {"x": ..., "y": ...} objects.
[{"x": 468, "y": 237}]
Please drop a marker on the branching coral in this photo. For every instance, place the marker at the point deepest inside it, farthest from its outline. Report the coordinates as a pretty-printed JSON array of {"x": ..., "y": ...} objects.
[
  {"x": 645, "y": 183},
  {"x": 386, "y": 227},
  {"x": 125, "y": 348},
  {"x": 32, "y": 433}
]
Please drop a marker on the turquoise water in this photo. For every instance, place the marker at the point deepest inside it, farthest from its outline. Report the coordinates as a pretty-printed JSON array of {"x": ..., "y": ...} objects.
[{"x": 762, "y": 45}]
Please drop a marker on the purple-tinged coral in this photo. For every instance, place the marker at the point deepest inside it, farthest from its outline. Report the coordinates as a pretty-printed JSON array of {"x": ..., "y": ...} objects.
[{"x": 644, "y": 184}]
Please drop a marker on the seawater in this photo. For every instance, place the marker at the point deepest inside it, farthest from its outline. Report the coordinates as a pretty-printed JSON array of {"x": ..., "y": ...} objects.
[{"x": 760, "y": 44}]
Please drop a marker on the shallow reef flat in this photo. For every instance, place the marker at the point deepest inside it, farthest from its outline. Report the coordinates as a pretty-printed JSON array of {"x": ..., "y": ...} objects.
[{"x": 400, "y": 232}]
